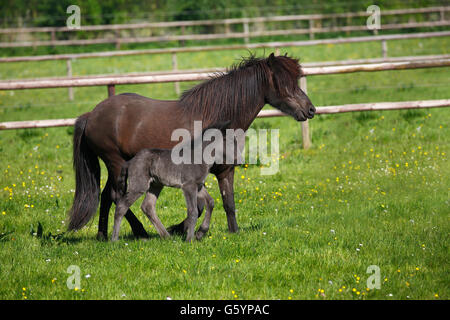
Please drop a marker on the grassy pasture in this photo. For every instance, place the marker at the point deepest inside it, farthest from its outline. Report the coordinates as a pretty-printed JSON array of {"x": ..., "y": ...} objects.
[{"x": 373, "y": 190}]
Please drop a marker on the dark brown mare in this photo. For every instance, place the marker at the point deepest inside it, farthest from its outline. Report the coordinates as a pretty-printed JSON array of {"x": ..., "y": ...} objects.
[{"x": 122, "y": 125}]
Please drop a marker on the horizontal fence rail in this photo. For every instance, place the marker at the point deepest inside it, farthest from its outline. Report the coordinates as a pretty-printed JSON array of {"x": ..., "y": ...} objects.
[
  {"x": 375, "y": 106},
  {"x": 181, "y": 77},
  {"x": 246, "y": 34},
  {"x": 217, "y": 35},
  {"x": 305, "y": 17},
  {"x": 277, "y": 44},
  {"x": 273, "y": 45},
  {"x": 223, "y": 69}
]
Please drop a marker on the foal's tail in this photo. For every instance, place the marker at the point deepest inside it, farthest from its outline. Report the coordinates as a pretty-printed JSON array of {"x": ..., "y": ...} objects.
[
  {"x": 122, "y": 179},
  {"x": 87, "y": 178}
]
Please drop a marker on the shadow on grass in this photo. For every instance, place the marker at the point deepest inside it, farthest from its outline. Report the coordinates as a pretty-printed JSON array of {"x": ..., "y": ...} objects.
[
  {"x": 4, "y": 236},
  {"x": 252, "y": 227},
  {"x": 70, "y": 237}
]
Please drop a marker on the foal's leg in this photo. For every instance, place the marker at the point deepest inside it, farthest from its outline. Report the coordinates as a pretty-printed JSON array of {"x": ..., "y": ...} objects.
[
  {"x": 121, "y": 209},
  {"x": 190, "y": 194},
  {"x": 226, "y": 180},
  {"x": 182, "y": 227},
  {"x": 136, "y": 226},
  {"x": 122, "y": 205},
  {"x": 149, "y": 208},
  {"x": 208, "y": 201}
]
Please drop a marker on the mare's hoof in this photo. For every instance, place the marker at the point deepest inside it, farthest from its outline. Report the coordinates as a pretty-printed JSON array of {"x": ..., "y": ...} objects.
[
  {"x": 101, "y": 236},
  {"x": 141, "y": 234},
  {"x": 176, "y": 229}
]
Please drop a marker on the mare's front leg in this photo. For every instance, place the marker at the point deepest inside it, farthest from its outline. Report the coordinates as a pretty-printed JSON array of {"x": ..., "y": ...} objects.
[
  {"x": 205, "y": 198},
  {"x": 226, "y": 180},
  {"x": 190, "y": 194}
]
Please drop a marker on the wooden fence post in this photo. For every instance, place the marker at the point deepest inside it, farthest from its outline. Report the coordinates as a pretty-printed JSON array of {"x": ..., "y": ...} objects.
[
  {"x": 246, "y": 31},
  {"x": 53, "y": 37},
  {"x": 348, "y": 23},
  {"x": 175, "y": 67},
  {"x": 306, "y": 137},
  {"x": 117, "y": 39},
  {"x": 183, "y": 32},
  {"x": 111, "y": 90},
  {"x": 227, "y": 28},
  {"x": 311, "y": 27},
  {"x": 384, "y": 48},
  {"x": 69, "y": 75}
]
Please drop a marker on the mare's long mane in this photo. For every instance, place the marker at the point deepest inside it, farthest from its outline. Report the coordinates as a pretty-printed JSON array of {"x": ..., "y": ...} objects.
[{"x": 235, "y": 93}]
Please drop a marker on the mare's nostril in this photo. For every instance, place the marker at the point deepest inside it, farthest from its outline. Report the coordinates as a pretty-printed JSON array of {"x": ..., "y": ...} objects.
[{"x": 312, "y": 110}]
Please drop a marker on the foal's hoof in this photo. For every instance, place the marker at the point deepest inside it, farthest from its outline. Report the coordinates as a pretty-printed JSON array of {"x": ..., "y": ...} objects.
[
  {"x": 176, "y": 229},
  {"x": 165, "y": 235},
  {"x": 200, "y": 233}
]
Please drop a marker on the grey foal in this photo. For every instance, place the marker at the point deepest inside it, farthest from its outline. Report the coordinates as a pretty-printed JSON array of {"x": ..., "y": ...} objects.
[{"x": 152, "y": 169}]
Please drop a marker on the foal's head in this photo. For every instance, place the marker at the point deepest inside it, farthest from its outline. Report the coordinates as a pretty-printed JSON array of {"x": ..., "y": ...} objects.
[{"x": 283, "y": 91}]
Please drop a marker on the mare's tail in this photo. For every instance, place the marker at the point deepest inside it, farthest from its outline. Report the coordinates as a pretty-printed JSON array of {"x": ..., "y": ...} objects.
[{"x": 87, "y": 178}]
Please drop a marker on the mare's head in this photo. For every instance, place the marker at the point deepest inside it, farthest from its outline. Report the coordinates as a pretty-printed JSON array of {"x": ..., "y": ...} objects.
[{"x": 283, "y": 91}]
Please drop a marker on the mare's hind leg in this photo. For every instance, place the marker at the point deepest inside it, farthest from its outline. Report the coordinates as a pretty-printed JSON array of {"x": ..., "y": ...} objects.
[
  {"x": 149, "y": 208},
  {"x": 136, "y": 226},
  {"x": 105, "y": 206},
  {"x": 122, "y": 205},
  {"x": 208, "y": 201}
]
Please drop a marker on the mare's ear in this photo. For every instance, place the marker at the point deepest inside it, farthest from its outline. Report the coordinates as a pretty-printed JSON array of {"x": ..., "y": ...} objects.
[{"x": 271, "y": 60}]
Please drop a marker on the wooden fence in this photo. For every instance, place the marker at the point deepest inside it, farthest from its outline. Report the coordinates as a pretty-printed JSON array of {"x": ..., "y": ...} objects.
[
  {"x": 314, "y": 20},
  {"x": 112, "y": 81},
  {"x": 273, "y": 45},
  {"x": 137, "y": 78}
]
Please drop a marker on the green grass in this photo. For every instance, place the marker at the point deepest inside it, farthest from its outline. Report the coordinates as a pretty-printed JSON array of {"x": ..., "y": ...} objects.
[{"x": 373, "y": 190}]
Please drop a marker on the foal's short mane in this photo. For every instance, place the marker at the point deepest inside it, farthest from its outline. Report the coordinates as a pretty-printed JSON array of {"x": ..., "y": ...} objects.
[{"x": 235, "y": 93}]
